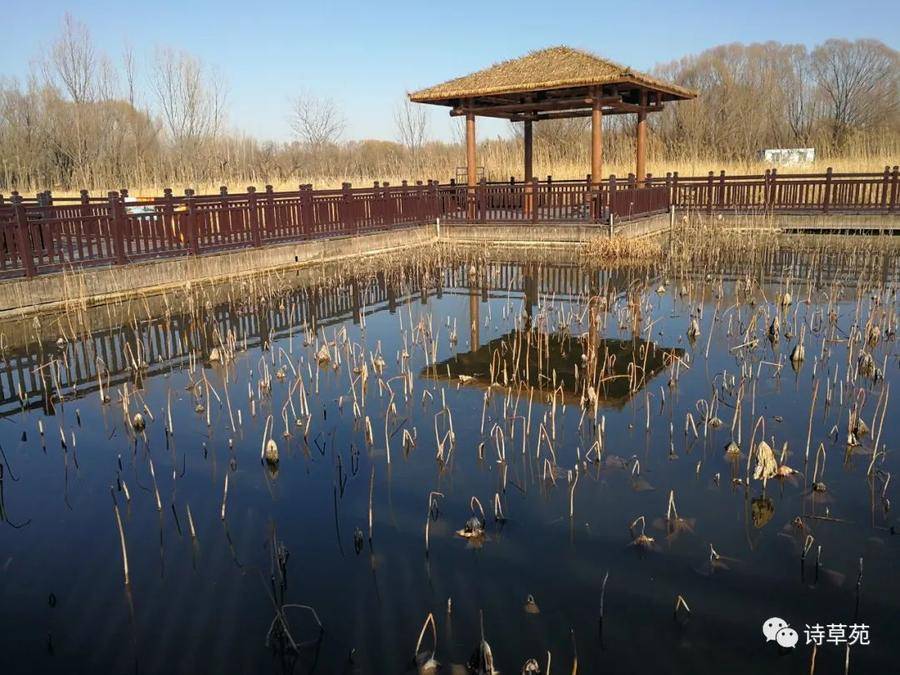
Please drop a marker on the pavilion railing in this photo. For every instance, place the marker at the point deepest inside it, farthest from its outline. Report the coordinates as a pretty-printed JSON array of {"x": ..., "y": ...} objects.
[
  {"x": 46, "y": 233},
  {"x": 549, "y": 201}
]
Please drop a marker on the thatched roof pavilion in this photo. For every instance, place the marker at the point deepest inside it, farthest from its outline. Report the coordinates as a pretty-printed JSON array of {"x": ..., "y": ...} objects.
[{"x": 555, "y": 83}]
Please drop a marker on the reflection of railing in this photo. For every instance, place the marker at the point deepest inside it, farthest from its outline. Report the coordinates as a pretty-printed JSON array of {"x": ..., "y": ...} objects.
[
  {"x": 31, "y": 375},
  {"x": 34, "y": 376}
]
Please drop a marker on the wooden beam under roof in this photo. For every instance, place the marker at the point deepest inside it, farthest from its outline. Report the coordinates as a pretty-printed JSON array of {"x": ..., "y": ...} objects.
[
  {"x": 569, "y": 114},
  {"x": 536, "y": 106}
]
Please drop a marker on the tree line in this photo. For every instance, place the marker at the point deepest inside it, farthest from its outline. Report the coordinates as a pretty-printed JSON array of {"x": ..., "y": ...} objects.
[{"x": 83, "y": 118}]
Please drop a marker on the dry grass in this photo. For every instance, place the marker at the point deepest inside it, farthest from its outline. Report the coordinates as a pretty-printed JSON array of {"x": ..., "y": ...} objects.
[
  {"x": 624, "y": 249},
  {"x": 502, "y": 165}
]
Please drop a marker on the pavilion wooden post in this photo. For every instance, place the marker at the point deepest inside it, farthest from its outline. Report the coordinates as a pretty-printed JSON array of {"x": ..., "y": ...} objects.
[
  {"x": 596, "y": 139},
  {"x": 640, "y": 160},
  {"x": 529, "y": 169},
  {"x": 471, "y": 174},
  {"x": 596, "y": 152}
]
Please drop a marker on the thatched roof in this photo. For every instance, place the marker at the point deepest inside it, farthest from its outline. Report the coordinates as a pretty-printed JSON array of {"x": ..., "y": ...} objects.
[{"x": 546, "y": 69}]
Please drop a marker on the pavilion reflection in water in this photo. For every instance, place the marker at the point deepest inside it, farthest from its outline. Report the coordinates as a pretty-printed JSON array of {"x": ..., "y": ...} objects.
[
  {"x": 630, "y": 365},
  {"x": 625, "y": 365}
]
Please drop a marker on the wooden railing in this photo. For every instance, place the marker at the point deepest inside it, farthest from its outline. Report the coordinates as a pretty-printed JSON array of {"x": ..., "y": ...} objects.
[
  {"x": 773, "y": 192},
  {"x": 550, "y": 201},
  {"x": 45, "y": 233}
]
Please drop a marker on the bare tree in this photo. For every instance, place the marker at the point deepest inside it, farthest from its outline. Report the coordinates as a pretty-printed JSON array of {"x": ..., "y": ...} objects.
[
  {"x": 71, "y": 63},
  {"x": 411, "y": 120},
  {"x": 316, "y": 121},
  {"x": 191, "y": 97},
  {"x": 860, "y": 81},
  {"x": 128, "y": 65}
]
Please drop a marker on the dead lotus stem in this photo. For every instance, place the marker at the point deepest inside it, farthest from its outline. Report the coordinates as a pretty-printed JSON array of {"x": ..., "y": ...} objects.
[
  {"x": 190, "y": 518},
  {"x": 473, "y": 502},
  {"x": 267, "y": 429},
  {"x": 875, "y": 451},
  {"x": 224, "y": 496},
  {"x": 498, "y": 508},
  {"x": 812, "y": 407},
  {"x": 155, "y": 487},
  {"x": 371, "y": 502},
  {"x": 121, "y": 536},
  {"x": 671, "y": 510},
  {"x": 572, "y": 483},
  {"x": 429, "y": 621},
  {"x": 819, "y": 452},
  {"x": 432, "y": 498},
  {"x": 760, "y": 421}
]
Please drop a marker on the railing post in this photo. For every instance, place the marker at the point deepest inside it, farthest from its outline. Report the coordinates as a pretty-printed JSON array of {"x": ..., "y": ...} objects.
[
  {"x": 709, "y": 192},
  {"x": 420, "y": 204},
  {"x": 85, "y": 203},
  {"x": 117, "y": 225},
  {"x": 346, "y": 208},
  {"x": 404, "y": 201},
  {"x": 772, "y": 189},
  {"x": 270, "y": 211},
  {"x": 191, "y": 216},
  {"x": 253, "y": 216},
  {"x": 23, "y": 238},
  {"x": 434, "y": 208},
  {"x": 482, "y": 198},
  {"x": 535, "y": 200},
  {"x": 167, "y": 215},
  {"x": 306, "y": 209},
  {"x": 387, "y": 204},
  {"x": 895, "y": 187},
  {"x": 885, "y": 187},
  {"x": 722, "y": 190},
  {"x": 826, "y": 198},
  {"x": 611, "y": 199},
  {"x": 224, "y": 213}
]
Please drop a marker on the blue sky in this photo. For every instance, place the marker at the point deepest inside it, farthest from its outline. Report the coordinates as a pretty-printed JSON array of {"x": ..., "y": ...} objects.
[{"x": 365, "y": 55}]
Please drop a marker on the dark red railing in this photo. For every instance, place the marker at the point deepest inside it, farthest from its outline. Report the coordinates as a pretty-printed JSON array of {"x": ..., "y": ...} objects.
[
  {"x": 45, "y": 234},
  {"x": 773, "y": 192}
]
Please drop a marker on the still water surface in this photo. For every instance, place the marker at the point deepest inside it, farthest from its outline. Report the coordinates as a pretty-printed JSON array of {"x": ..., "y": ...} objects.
[{"x": 289, "y": 534}]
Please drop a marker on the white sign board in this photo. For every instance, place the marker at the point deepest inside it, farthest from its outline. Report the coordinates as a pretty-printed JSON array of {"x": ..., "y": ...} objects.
[{"x": 788, "y": 156}]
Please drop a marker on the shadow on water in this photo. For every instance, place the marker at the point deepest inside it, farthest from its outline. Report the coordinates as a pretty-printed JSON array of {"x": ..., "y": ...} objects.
[{"x": 526, "y": 356}]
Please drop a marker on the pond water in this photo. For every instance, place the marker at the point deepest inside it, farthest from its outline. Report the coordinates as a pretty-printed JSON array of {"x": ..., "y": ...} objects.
[{"x": 570, "y": 396}]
